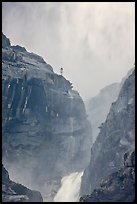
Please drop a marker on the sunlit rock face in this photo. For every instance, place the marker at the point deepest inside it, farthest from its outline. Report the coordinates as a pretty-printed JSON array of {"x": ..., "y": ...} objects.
[
  {"x": 119, "y": 186},
  {"x": 15, "y": 192},
  {"x": 117, "y": 136},
  {"x": 46, "y": 134}
]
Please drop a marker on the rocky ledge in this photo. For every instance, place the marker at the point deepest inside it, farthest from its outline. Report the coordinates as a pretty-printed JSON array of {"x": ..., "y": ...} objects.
[
  {"x": 14, "y": 192},
  {"x": 119, "y": 186}
]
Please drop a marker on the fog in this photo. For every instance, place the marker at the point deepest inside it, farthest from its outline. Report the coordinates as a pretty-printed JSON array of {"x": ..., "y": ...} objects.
[{"x": 94, "y": 42}]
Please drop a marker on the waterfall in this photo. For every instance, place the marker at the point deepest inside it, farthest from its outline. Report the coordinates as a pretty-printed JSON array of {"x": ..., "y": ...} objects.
[{"x": 70, "y": 187}]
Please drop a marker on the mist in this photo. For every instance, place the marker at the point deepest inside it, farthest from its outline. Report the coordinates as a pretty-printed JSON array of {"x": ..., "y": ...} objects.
[
  {"x": 92, "y": 41},
  {"x": 50, "y": 138}
]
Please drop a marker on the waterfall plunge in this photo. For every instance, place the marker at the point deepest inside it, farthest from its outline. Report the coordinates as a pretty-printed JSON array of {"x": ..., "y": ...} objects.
[{"x": 70, "y": 187}]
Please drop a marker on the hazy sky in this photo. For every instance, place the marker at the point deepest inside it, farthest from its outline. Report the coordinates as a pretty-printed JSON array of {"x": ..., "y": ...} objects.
[{"x": 94, "y": 42}]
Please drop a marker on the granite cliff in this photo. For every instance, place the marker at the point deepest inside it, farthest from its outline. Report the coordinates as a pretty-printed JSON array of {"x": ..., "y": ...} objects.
[
  {"x": 46, "y": 134},
  {"x": 119, "y": 186},
  {"x": 116, "y": 136},
  {"x": 15, "y": 192}
]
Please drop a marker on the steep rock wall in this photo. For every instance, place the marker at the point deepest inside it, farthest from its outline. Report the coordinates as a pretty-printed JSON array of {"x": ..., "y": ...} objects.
[
  {"x": 46, "y": 134},
  {"x": 117, "y": 135},
  {"x": 119, "y": 186}
]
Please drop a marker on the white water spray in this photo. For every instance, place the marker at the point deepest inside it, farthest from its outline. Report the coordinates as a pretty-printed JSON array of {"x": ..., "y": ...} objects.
[{"x": 70, "y": 187}]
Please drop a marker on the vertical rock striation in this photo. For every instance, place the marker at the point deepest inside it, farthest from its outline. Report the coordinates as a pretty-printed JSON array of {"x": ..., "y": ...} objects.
[{"x": 46, "y": 134}]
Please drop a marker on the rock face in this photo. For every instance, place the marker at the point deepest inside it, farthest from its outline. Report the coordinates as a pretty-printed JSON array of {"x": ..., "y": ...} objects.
[
  {"x": 117, "y": 136},
  {"x": 14, "y": 192},
  {"x": 98, "y": 107},
  {"x": 119, "y": 186},
  {"x": 5, "y": 41},
  {"x": 46, "y": 134}
]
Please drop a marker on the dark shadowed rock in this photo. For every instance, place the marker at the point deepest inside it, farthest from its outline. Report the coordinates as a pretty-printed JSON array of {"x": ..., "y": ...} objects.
[
  {"x": 5, "y": 41},
  {"x": 14, "y": 192},
  {"x": 18, "y": 48},
  {"x": 119, "y": 186}
]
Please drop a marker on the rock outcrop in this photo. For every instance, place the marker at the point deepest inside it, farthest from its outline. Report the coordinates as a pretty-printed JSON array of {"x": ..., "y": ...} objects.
[
  {"x": 117, "y": 136},
  {"x": 5, "y": 41},
  {"x": 14, "y": 192},
  {"x": 119, "y": 186},
  {"x": 46, "y": 134}
]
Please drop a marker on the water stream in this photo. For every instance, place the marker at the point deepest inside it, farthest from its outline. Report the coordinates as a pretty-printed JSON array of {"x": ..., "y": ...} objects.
[{"x": 70, "y": 187}]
